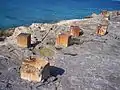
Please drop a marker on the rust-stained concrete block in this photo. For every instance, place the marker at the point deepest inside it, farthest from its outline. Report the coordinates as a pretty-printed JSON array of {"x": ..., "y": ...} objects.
[
  {"x": 74, "y": 31},
  {"x": 34, "y": 69},
  {"x": 24, "y": 40},
  {"x": 30, "y": 73},
  {"x": 101, "y": 30},
  {"x": 35, "y": 62},
  {"x": 63, "y": 39}
]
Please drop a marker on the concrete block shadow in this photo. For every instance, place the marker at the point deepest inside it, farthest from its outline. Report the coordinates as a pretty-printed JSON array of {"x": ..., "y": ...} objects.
[{"x": 55, "y": 71}]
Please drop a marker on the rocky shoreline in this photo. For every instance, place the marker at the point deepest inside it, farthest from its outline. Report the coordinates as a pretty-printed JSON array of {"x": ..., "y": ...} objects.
[{"x": 91, "y": 63}]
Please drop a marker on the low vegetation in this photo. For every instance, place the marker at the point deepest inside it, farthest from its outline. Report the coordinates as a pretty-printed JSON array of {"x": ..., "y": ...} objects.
[
  {"x": 47, "y": 52},
  {"x": 6, "y": 33}
]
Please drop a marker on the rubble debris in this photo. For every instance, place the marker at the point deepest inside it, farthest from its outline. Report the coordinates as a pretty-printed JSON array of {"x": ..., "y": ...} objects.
[
  {"x": 24, "y": 40},
  {"x": 35, "y": 69}
]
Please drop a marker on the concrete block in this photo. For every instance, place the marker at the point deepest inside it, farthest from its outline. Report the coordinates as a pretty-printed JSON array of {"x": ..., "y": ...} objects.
[
  {"x": 24, "y": 40},
  {"x": 30, "y": 73},
  {"x": 101, "y": 30},
  {"x": 74, "y": 31},
  {"x": 35, "y": 69},
  {"x": 63, "y": 40}
]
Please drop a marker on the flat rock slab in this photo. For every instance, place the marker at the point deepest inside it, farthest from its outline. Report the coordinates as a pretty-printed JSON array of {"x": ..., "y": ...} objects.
[{"x": 96, "y": 65}]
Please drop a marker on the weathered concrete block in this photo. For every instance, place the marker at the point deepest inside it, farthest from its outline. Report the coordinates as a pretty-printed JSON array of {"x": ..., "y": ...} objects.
[
  {"x": 35, "y": 62},
  {"x": 24, "y": 40},
  {"x": 74, "y": 31},
  {"x": 101, "y": 30},
  {"x": 30, "y": 73},
  {"x": 63, "y": 40},
  {"x": 34, "y": 69}
]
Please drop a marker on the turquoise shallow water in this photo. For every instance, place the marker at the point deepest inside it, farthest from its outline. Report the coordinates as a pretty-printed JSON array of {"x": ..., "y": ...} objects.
[{"x": 24, "y": 12}]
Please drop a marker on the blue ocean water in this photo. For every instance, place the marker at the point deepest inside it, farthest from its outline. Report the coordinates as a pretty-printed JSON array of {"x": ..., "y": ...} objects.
[{"x": 24, "y": 12}]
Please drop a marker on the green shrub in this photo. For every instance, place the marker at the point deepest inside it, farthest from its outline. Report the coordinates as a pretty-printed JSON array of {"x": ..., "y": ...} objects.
[
  {"x": 6, "y": 33},
  {"x": 47, "y": 52}
]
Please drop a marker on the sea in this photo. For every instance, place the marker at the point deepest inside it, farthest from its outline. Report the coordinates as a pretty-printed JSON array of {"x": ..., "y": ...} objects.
[{"x": 24, "y": 12}]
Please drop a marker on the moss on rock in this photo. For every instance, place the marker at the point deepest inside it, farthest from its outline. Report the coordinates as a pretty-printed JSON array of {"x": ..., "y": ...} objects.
[{"x": 47, "y": 52}]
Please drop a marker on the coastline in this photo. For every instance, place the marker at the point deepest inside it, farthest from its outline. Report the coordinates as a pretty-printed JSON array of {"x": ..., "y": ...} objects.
[
  {"x": 87, "y": 19},
  {"x": 51, "y": 22},
  {"x": 27, "y": 25},
  {"x": 9, "y": 31}
]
